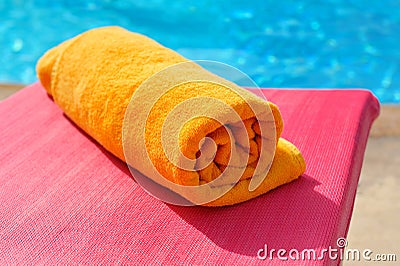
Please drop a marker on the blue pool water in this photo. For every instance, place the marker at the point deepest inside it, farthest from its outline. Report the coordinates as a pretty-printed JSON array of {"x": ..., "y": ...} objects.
[{"x": 291, "y": 43}]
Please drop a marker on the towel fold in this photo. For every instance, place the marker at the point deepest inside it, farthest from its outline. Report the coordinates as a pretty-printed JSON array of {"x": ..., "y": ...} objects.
[{"x": 185, "y": 128}]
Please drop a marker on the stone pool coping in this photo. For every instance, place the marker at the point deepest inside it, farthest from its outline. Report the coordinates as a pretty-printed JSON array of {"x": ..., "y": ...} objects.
[{"x": 387, "y": 124}]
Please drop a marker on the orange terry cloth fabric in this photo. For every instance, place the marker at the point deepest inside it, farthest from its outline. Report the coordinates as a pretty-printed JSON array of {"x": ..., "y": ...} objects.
[{"x": 102, "y": 80}]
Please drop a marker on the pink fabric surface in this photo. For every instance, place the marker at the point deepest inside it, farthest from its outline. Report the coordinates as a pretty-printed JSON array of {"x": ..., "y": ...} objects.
[{"x": 66, "y": 200}]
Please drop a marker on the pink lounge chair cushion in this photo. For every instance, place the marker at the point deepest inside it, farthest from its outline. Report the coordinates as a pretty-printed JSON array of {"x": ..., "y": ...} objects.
[{"x": 64, "y": 199}]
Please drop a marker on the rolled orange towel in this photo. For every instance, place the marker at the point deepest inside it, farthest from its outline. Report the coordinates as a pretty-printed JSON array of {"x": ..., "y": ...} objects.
[{"x": 219, "y": 138}]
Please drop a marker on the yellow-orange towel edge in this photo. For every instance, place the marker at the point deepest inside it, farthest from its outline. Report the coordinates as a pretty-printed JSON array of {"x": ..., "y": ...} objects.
[{"x": 93, "y": 76}]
